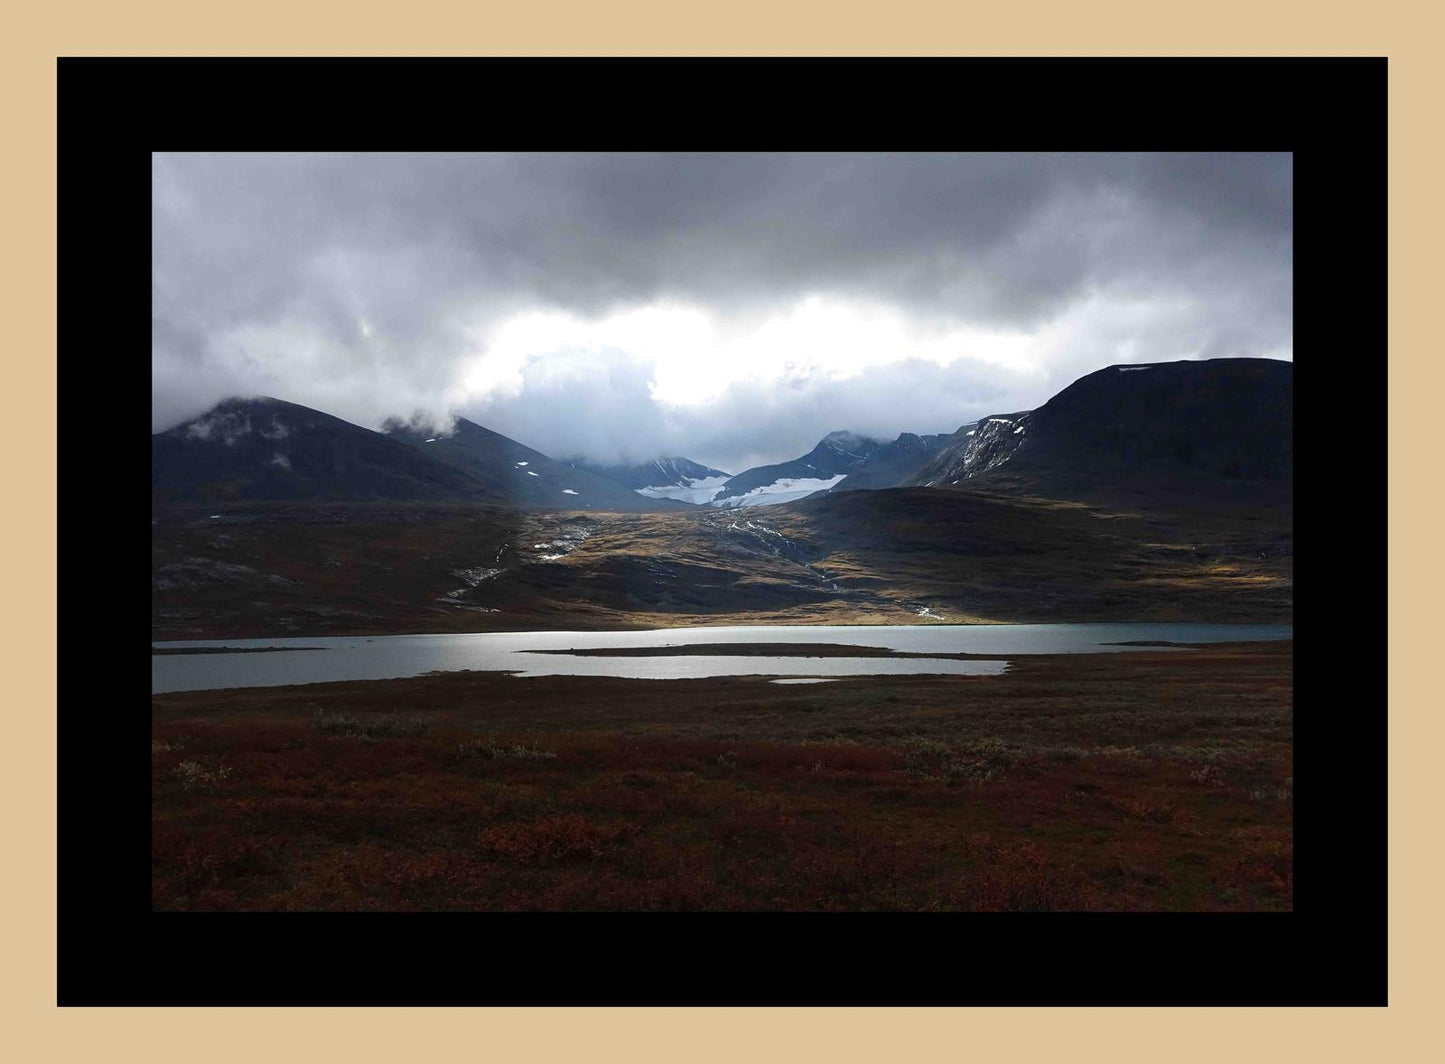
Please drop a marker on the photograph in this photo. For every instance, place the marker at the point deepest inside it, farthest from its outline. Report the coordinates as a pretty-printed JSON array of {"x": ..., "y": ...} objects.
[
  {"x": 740, "y": 535},
  {"x": 735, "y": 531}
]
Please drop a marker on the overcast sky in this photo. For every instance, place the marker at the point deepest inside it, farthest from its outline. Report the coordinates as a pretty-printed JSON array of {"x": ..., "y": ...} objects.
[{"x": 731, "y": 308}]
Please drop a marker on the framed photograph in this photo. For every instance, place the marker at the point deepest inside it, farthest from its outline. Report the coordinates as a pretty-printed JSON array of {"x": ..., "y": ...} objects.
[{"x": 850, "y": 527}]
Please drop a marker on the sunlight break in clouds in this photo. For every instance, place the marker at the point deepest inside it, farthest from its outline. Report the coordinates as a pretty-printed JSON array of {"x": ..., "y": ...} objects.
[
  {"x": 730, "y": 307},
  {"x": 694, "y": 359}
]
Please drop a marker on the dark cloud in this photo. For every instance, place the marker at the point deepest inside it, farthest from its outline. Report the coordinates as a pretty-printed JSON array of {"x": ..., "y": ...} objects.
[{"x": 366, "y": 284}]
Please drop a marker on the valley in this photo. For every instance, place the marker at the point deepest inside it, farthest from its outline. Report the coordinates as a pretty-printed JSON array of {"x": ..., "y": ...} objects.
[{"x": 864, "y": 557}]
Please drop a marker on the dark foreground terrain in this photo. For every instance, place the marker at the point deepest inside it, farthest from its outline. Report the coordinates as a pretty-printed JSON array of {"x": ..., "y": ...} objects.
[{"x": 1128, "y": 781}]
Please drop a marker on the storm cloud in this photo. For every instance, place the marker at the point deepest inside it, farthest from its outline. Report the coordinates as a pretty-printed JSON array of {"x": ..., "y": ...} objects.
[{"x": 732, "y": 308}]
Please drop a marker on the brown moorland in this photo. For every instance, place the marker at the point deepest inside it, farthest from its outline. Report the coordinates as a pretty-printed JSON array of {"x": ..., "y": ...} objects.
[{"x": 1127, "y": 781}]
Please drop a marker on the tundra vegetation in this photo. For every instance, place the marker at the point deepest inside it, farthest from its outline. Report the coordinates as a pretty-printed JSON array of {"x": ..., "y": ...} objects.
[{"x": 1129, "y": 781}]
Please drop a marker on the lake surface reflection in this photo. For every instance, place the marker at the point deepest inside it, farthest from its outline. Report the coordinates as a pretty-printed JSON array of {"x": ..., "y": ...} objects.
[{"x": 391, "y": 657}]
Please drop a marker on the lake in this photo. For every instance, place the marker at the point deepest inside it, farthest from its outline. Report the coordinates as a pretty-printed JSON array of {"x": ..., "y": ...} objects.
[{"x": 393, "y": 657}]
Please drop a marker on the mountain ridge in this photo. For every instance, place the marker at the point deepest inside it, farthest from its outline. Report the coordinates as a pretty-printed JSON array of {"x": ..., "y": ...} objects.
[{"x": 519, "y": 474}]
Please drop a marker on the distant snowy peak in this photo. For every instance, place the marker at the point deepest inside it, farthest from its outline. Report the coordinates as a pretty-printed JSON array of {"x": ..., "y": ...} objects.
[
  {"x": 679, "y": 472},
  {"x": 834, "y": 457},
  {"x": 677, "y": 478}
]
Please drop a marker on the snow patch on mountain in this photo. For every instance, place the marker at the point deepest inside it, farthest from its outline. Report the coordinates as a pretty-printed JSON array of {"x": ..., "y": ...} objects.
[
  {"x": 692, "y": 489},
  {"x": 787, "y": 489},
  {"x": 675, "y": 478}
]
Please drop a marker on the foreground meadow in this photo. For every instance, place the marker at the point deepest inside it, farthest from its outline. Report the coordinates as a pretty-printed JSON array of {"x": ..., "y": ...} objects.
[{"x": 1133, "y": 781}]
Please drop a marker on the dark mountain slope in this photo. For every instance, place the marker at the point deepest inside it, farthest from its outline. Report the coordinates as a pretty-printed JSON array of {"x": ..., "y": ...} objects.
[
  {"x": 895, "y": 462},
  {"x": 264, "y": 448},
  {"x": 1201, "y": 426},
  {"x": 674, "y": 472},
  {"x": 520, "y": 475}
]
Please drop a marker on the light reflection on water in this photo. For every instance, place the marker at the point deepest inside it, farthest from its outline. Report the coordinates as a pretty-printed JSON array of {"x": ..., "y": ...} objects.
[{"x": 388, "y": 657}]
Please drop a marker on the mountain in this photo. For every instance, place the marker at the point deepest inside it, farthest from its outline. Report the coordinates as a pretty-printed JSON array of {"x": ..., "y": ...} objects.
[
  {"x": 1212, "y": 426},
  {"x": 519, "y": 475},
  {"x": 974, "y": 449},
  {"x": 264, "y": 448},
  {"x": 836, "y": 455},
  {"x": 676, "y": 478},
  {"x": 895, "y": 462}
]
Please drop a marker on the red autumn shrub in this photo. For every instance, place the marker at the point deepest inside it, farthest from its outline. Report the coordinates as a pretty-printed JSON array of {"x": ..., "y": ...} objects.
[{"x": 557, "y": 838}]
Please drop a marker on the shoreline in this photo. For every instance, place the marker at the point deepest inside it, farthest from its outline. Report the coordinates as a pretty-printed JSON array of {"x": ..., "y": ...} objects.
[{"x": 1115, "y": 781}]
